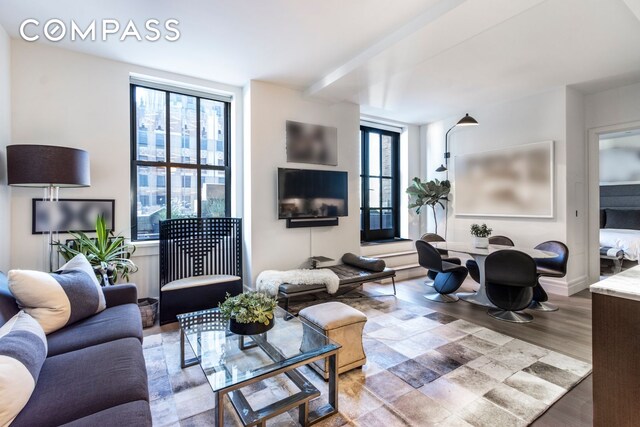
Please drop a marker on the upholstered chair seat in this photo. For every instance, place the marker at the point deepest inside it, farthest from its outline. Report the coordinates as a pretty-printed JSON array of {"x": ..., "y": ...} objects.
[
  {"x": 449, "y": 275},
  {"x": 432, "y": 237},
  {"x": 510, "y": 278},
  {"x": 549, "y": 267}
]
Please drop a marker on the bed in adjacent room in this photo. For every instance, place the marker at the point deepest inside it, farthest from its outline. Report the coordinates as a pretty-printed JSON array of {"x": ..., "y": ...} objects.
[{"x": 620, "y": 222}]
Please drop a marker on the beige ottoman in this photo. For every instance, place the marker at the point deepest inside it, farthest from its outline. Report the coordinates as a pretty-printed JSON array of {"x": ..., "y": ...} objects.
[{"x": 342, "y": 324}]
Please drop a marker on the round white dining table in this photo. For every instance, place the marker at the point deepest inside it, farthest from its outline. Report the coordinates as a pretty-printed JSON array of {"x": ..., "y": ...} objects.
[{"x": 480, "y": 255}]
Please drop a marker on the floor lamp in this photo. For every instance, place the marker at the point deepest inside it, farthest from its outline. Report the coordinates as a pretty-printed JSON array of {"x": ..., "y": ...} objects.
[{"x": 51, "y": 168}]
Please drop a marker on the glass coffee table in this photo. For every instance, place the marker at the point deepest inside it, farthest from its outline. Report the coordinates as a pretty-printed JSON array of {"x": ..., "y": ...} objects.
[{"x": 231, "y": 362}]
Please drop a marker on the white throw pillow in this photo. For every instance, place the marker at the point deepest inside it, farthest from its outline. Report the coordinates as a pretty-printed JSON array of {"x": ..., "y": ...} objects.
[
  {"x": 23, "y": 350},
  {"x": 58, "y": 299}
]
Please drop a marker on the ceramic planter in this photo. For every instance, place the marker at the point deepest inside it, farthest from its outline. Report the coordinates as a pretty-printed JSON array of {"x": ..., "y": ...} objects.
[
  {"x": 480, "y": 242},
  {"x": 249, "y": 328}
]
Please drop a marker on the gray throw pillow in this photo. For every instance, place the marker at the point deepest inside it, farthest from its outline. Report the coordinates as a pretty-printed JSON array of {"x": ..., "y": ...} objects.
[
  {"x": 58, "y": 299},
  {"x": 23, "y": 350},
  {"x": 625, "y": 219},
  {"x": 371, "y": 264}
]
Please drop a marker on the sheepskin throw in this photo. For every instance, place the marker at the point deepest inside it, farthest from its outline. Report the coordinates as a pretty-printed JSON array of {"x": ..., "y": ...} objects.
[{"x": 269, "y": 281}]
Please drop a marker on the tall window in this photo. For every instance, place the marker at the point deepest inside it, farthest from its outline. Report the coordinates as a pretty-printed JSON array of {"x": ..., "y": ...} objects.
[
  {"x": 379, "y": 170},
  {"x": 180, "y": 164}
]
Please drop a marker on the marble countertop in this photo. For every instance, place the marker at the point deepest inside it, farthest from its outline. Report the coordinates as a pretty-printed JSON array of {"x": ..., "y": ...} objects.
[{"x": 622, "y": 285}]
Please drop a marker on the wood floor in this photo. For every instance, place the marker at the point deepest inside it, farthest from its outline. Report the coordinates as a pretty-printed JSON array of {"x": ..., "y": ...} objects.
[{"x": 567, "y": 331}]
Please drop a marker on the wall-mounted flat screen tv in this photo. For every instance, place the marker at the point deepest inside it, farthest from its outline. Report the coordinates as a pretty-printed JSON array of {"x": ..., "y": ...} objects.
[{"x": 304, "y": 193}]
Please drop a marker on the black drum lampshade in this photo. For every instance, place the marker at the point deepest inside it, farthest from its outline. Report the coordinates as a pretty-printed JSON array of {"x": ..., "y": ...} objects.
[{"x": 47, "y": 166}]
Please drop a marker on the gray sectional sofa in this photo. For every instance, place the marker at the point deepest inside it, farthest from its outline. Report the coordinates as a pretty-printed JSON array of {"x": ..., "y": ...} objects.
[{"x": 95, "y": 372}]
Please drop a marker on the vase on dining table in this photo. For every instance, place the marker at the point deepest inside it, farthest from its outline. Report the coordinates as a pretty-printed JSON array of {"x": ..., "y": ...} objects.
[{"x": 480, "y": 242}]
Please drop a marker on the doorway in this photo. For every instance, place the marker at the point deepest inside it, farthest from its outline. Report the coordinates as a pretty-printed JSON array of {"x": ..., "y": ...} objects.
[{"x": 615, "y": 210}]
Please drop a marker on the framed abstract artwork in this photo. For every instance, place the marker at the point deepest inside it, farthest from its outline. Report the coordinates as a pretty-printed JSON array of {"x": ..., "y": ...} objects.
[
  {"x": 308, "y": 143},
  {"x": 516, "y": 181},
  {"x": 71, "y": 215}
]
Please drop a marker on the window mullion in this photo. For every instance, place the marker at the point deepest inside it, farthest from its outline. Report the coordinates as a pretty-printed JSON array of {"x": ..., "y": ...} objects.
[
  {"x": 167, "y": 153},
  {"x": 198, "y": 161}
]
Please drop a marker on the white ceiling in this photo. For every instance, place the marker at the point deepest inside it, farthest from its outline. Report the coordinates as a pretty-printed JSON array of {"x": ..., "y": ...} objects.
[{"x": 412, "y": 60}]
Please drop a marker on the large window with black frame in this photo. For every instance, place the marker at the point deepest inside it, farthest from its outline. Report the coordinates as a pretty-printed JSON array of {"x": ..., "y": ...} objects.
[
  {"x": 180, "y": 156},
  {"x": 379, "y": 170}
]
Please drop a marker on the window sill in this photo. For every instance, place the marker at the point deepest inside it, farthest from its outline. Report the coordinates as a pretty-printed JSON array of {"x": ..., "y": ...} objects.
[
  {"x": 146, "y": 248},
  {"x": 384, "y": 242}
]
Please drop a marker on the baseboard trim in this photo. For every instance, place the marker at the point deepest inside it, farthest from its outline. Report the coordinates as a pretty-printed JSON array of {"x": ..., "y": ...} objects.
[{"x": 561, "y": 287}]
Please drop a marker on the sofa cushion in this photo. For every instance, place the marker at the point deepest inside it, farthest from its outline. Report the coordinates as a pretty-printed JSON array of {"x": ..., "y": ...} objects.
[
  {"x": 132, "y": 414},
  {"x": 121, "y": 321},
  {"x": 190, "y": 282},
  {"x": 83, "y": 382},
  {"x": 58, "y": 299},
  {"x": 23, "y": 350}
]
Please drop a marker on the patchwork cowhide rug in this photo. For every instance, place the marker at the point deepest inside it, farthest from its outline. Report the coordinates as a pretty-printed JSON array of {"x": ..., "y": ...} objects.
[{"x": 423, "y": 368}]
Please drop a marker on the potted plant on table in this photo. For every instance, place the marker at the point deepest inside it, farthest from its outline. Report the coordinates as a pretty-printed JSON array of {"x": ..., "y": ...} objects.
[
  {"x": 429, "y": 193},
  {"x": 249, "y": 313},
  {"x": 480, "y": 235}
]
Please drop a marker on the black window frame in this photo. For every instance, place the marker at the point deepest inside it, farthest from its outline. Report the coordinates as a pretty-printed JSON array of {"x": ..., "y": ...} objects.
[
  {"x": 168, "y": 164},
  {"x": 367, "y": 235}
]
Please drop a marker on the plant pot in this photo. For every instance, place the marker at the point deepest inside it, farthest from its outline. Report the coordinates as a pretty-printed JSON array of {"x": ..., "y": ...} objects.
[
  {"x": 250, "y": 328},
  {"x": 148, "y": 311},
  {"x": 481, "y": 242}
]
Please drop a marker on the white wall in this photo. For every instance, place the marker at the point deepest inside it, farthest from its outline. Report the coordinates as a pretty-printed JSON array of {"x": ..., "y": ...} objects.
[
  {"x": 612, "y": 107},
  {"x": 412, "y": 165},
  {"x": 536, "y": 118},
  {"x": 64, "y": 98},
  {"x": 5, "y": 139},
  {"x": 271, "y": 244},
  {"x": 577, "y": 211}
]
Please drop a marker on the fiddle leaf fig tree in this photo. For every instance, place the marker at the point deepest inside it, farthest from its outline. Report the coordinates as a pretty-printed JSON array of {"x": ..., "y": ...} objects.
[{"x": 429, "y": 193}]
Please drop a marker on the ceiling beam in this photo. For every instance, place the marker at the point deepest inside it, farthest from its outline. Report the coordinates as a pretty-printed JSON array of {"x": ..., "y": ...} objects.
[
  {"x": 428, "y": 16},
  {"x": 634, "y": 5}
]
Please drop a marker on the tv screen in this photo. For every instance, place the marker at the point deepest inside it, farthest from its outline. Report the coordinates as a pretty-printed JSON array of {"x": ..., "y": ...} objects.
[{"x": 312, "y": 193}]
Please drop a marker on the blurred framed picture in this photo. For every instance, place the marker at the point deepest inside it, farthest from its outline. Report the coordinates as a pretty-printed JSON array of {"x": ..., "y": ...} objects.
[
  {"x": 515, "y": 181},
  {"x": 71, "y": 215},
  {"x": 308, "y": 143}
]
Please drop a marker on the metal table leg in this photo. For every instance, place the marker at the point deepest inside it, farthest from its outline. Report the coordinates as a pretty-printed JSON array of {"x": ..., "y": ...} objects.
[
  {"x": 480, "y": 296},
  {"x": 333, "y": 381},
  {"x": 219, "y": 409},
  {"x": 186, "y": 363}
]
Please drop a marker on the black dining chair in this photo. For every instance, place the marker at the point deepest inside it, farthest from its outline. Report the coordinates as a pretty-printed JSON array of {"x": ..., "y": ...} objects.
[
  {"x": 448, "y": 277},
  {"x": 432, "y": 237},
  {"x": 510, "y": 278},
  {"x": 549, "y": 267},
  {"x": 472, "y": 265}
]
